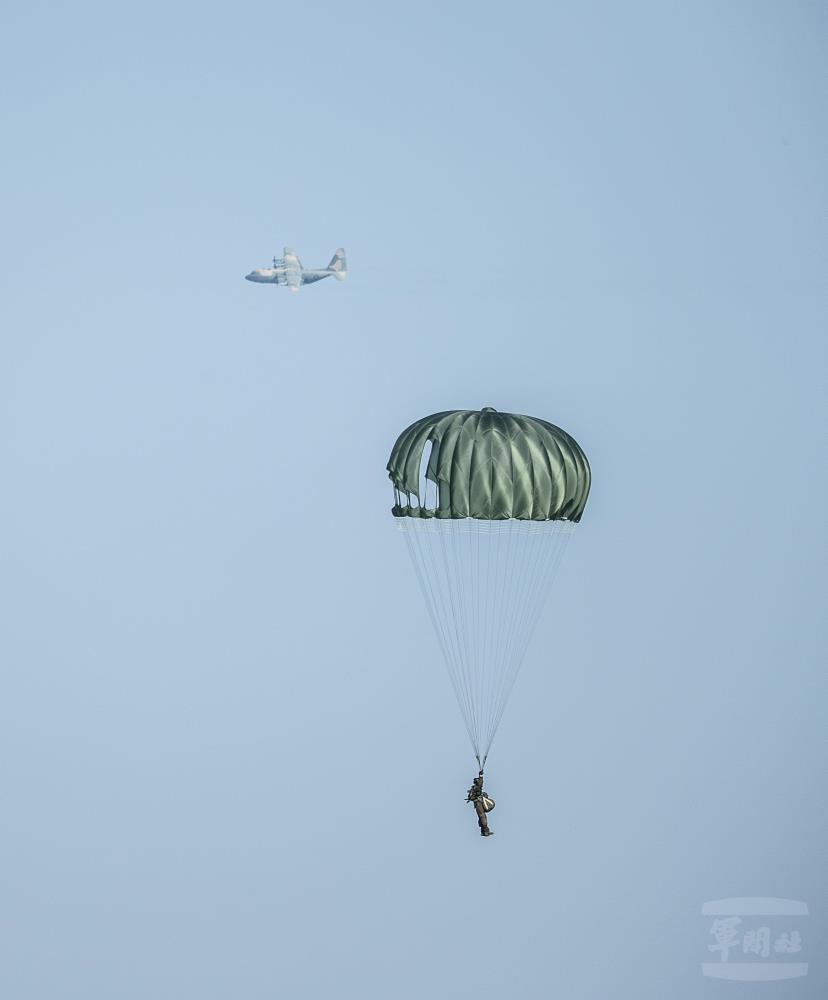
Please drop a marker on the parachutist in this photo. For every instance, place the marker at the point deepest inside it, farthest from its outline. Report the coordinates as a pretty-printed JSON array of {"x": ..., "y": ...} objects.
[{"x": 482, "y": 804}]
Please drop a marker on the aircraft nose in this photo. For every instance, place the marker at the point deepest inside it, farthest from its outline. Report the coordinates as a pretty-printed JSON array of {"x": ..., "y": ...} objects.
[{"x": 250, "y": 277}]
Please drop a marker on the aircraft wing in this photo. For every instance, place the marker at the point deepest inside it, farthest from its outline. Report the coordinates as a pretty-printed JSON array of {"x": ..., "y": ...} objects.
[{"x": 293, "y": 270}]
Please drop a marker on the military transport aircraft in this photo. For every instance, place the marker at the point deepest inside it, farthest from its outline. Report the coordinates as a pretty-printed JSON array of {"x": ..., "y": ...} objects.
[{"x": 289, "y": 271}]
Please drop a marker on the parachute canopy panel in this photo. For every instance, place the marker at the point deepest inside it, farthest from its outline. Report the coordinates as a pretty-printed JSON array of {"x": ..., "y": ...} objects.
[{"x": 489, "y": 466}]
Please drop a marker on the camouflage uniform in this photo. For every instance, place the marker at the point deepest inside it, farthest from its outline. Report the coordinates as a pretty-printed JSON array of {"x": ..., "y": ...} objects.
[{"x": 475, "y": 796}]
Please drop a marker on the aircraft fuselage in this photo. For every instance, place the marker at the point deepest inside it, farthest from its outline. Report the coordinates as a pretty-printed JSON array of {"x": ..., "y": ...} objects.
[{"x": 279, "y": 275}]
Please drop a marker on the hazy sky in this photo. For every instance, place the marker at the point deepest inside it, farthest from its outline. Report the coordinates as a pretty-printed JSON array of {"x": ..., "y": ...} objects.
[{"x": 232, "y": 765}]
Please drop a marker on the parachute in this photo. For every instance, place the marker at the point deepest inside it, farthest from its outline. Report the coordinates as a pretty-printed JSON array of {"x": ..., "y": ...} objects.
[{"x": 487, "y": 502}]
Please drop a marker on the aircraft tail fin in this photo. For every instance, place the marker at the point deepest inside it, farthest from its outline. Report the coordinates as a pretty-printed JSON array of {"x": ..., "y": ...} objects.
[{"x": 339, "y": 265}]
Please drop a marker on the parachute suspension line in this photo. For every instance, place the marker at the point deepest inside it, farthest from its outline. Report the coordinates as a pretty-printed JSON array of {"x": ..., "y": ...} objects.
[
  {"x": 434, "y": 574},
  {"x": 549, "y": 551},
  {"x": 464, "y": 585},
  {"x": 485, "y": 584},
  {"x": 416, "y": 551},
  {"x": 496, "y": 618},
  {"x": 515, "y": 584},
  {"x": 494, "y": 609},
  {"x": 449, "y": 607},
  {"x": 519, "y": 586},
  {"x": 457, "y": 596},
  {"x": 531, "y": 551}
]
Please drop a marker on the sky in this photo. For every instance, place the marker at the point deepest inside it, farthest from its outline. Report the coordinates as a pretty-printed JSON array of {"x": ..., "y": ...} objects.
[{"x": 231, "y": 762}]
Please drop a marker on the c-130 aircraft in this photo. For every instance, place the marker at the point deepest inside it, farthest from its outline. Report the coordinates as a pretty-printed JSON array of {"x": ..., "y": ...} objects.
[{"x": 289, "y": 271}]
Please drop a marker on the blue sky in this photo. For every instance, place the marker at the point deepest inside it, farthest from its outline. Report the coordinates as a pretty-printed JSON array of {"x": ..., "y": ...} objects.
[{"x": 232, "y": 764}]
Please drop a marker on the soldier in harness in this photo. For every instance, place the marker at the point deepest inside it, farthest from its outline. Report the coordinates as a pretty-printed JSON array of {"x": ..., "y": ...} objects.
[{"x": 482, "y": 805}]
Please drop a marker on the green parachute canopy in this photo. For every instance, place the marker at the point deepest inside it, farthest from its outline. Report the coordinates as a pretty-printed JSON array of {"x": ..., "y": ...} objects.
[
  {"x": 487, "y": 503},
  {"x": 489, "y": 465}
]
